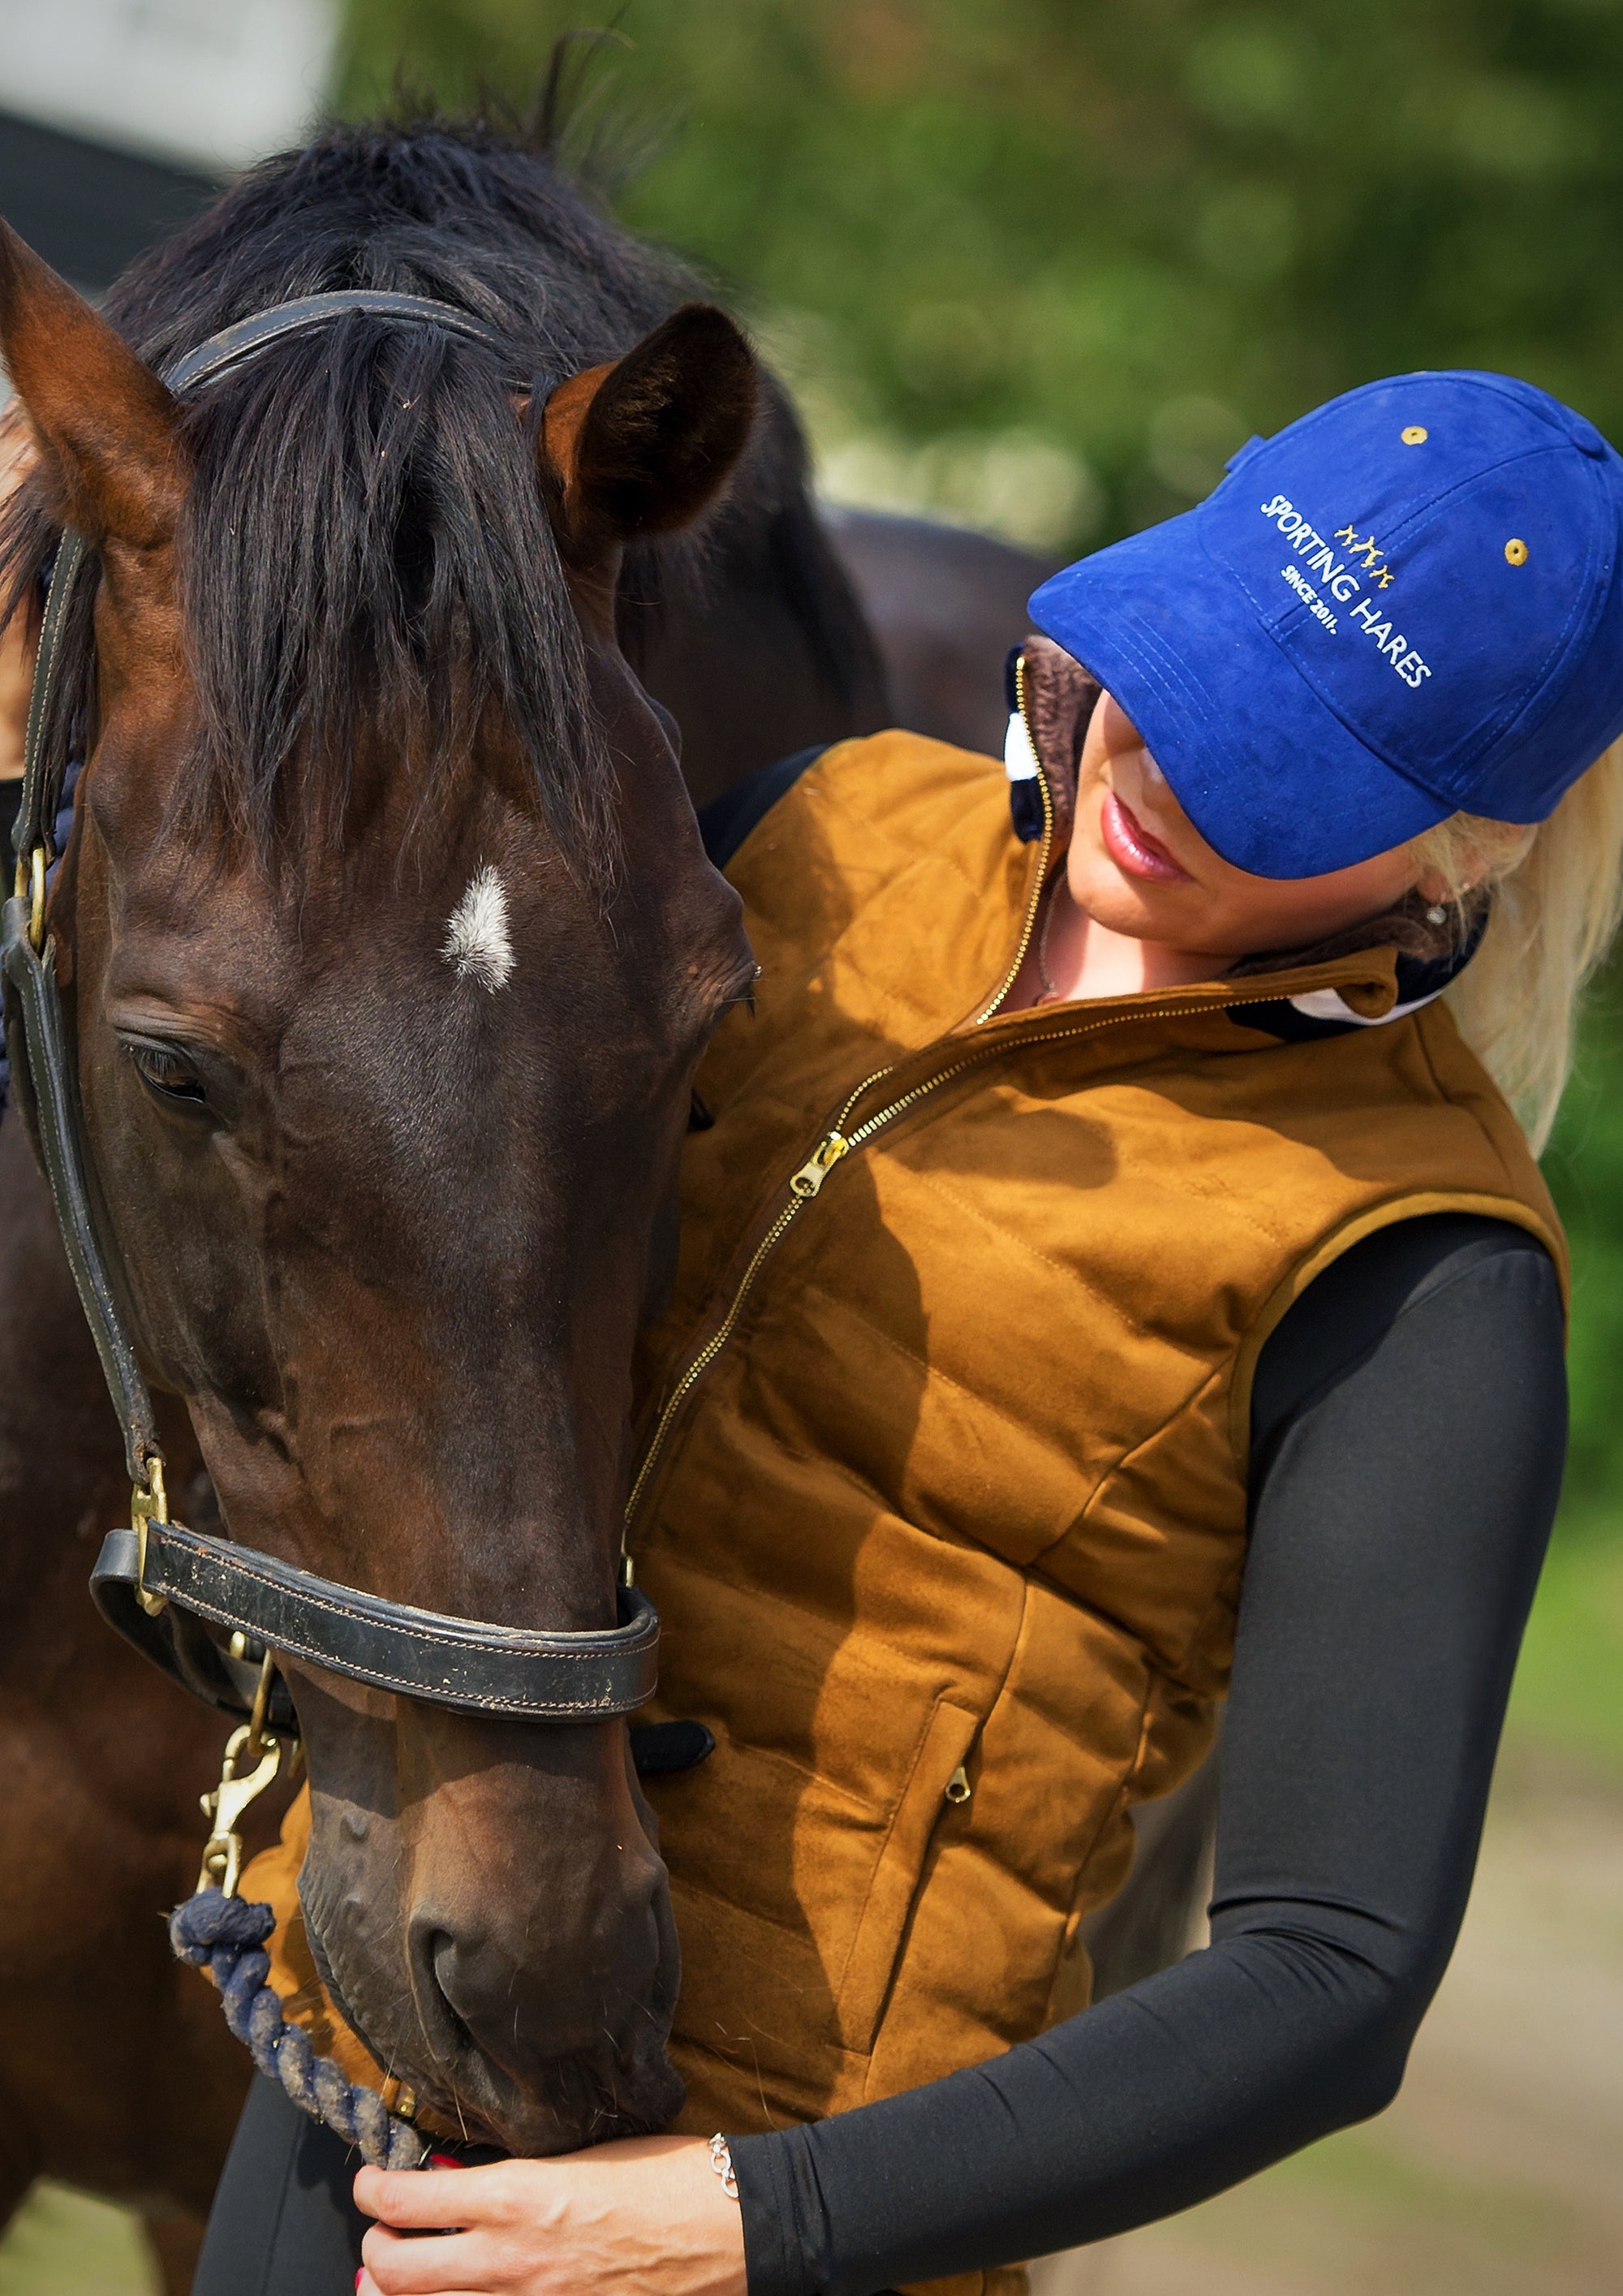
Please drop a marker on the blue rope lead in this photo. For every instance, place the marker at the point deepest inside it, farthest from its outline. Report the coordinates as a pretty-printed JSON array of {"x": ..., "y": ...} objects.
[{"x": 227, "y": 1937}]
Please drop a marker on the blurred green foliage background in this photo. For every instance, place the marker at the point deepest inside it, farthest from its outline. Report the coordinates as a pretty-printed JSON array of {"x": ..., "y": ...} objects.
[
  {"x": 1118, "y": 237},
  {"x": 1042, "y": 265}
]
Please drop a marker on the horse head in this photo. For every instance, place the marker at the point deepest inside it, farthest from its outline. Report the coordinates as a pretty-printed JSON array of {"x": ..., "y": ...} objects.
[{"x": 387, "y": 947}]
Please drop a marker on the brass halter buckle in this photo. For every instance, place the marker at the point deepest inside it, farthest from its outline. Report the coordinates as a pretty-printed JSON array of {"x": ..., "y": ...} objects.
[
  {"x": 149, "y": 1505},
  {"x": 31, "y": 883},
  {"x": 240, "y": 1787}
]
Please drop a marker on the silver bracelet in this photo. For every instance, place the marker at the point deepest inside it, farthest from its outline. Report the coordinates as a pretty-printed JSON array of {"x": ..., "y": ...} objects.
[{"x": 721, "y": 2160}]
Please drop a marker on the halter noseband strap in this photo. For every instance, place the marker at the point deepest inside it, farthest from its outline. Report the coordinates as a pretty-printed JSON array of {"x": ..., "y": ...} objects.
[
  {"x": 516, "y": 1671},
  {"x": 158, "y": 1582}
]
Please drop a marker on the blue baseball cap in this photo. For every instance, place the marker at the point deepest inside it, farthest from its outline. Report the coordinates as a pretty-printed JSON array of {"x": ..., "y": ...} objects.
[{"x": 1407, "y": 604}]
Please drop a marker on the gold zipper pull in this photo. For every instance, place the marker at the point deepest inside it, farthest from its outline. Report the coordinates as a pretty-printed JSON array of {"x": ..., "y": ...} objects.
[{"x": 819, "y": 1164}]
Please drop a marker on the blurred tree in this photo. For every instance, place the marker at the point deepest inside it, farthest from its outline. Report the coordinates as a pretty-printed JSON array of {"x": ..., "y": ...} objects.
[{"x": 1129, "y": 232}]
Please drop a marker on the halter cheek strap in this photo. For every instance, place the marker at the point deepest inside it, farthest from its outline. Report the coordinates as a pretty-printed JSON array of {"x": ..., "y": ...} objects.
[{"x": 160, "y": 1584}]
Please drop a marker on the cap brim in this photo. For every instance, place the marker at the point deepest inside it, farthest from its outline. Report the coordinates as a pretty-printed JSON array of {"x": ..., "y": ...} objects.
[{"x": 1261, "y": 764}]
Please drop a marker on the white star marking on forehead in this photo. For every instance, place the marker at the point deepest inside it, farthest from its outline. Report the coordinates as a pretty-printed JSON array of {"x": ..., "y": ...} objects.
[{"x": 477, "y": 941}]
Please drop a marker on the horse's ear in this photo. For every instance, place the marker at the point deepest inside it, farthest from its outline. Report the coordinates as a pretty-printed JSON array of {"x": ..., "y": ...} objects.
[
  {"x": 104, "y": 423},
  {"x": 643, "y": 445}
]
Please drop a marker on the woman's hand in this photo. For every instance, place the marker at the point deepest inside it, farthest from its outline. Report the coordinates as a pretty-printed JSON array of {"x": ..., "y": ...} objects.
[{"x": 647, "y": 2216}]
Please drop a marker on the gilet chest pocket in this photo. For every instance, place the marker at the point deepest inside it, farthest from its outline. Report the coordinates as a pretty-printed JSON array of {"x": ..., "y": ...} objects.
[{"x": 923, "y": 1804}]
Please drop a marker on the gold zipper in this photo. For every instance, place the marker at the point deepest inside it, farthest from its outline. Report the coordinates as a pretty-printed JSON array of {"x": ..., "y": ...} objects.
[
  {"x": 835, "y": 1146},
  {"x": 803, "y": 1185}
]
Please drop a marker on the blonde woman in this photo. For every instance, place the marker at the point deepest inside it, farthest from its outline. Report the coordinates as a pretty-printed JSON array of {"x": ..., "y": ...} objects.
[{"x": 1113, "y": 1277}]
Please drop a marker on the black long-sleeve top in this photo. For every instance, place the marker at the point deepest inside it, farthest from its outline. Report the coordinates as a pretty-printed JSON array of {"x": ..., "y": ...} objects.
[{"x": 1409, "y": 1428}]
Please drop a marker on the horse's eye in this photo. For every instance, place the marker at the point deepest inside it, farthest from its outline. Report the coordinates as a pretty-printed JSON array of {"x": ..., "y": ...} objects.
[{"x": 168, "y": 1072}]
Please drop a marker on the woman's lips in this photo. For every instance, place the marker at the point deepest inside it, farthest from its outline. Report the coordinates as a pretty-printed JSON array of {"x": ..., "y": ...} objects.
[{"x": 1133, "y": 849}]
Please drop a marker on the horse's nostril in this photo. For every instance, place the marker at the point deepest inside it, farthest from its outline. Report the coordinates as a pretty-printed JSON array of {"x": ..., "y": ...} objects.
[
  {"x": 478, "y": 1998},
  {"x": 439, "y": 1960}
]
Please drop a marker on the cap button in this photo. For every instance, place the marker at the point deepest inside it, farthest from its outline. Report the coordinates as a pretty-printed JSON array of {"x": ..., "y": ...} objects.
[{"x": 1584, "y": 436}]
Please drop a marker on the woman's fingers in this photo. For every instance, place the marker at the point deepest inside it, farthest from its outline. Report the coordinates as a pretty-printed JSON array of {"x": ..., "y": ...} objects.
[
  {"x": 644, "y": 2216},
  {"x": 452, "y": 2266},
  {"x": 433, "y": 2232},
  {"x": 411, "y": 2197},
  {"x": 366, "y": 2285}
]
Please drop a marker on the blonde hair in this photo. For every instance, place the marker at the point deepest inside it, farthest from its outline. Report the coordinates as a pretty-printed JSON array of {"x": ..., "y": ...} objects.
[{"x": 1558, "y": 897}]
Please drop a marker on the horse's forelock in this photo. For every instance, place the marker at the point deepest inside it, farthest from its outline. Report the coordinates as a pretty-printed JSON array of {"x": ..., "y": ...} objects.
[{"x": 365, "y": 560}]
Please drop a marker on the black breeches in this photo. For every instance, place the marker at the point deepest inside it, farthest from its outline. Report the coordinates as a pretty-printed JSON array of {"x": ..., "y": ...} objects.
[{"x": 284, "y": 2222}]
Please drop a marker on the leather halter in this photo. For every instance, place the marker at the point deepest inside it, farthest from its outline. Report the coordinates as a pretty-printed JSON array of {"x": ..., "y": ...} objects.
[{"x": 158, "y": 1582}]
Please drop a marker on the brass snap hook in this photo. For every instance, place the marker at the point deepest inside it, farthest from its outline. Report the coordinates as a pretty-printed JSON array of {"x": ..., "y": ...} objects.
[
  {"x": 240, "y": 1787},
  {"x": 256, "y": 1739}
]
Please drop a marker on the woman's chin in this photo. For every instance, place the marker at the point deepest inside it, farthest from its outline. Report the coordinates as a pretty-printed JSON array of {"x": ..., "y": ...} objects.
[{"x": 1137, "y": 909}]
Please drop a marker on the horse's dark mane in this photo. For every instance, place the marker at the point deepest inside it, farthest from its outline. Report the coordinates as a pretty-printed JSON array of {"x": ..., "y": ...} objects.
[{"x": 365, "y": 510}]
